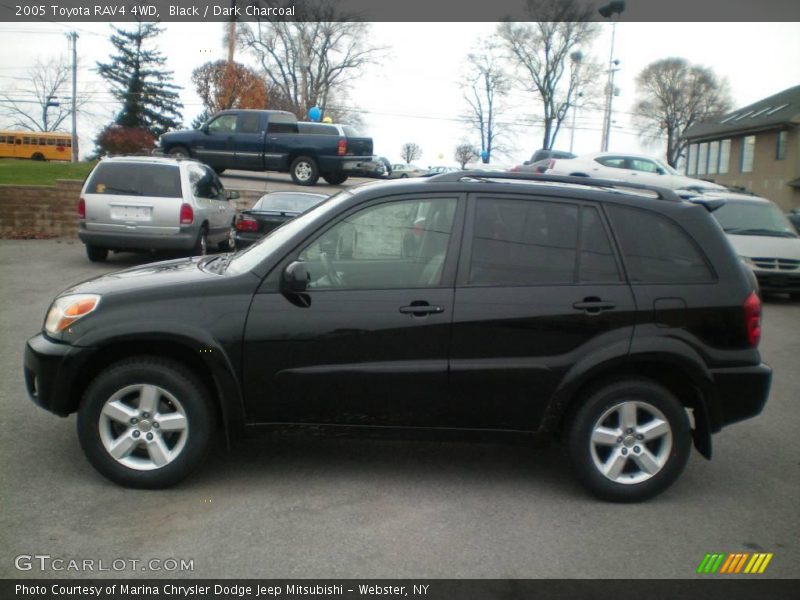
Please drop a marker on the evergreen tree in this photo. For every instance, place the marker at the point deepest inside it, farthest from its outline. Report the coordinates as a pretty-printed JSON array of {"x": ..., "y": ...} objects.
[{"x": 138, "y": 80}]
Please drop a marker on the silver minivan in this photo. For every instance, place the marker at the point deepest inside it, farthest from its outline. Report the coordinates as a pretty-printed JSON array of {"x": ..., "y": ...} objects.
[{"x": 135, "y": 203}]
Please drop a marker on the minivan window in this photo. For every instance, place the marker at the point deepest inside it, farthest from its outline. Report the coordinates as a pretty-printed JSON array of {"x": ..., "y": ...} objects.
[
  {"x": 205, "y": 183},
  {"x": 135, "y": 179},
  {"x": 656, "y": 250},
  {"x": 753, "y": 218}
]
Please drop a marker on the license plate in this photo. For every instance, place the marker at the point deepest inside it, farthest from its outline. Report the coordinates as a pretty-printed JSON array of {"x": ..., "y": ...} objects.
[{"x": 130, "y": 212}]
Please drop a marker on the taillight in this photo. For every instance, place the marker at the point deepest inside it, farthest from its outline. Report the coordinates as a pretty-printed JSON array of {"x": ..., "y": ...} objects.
[
  {"x": 752, "y": 319},
  {"x": 82, "y": 208},
  {"x": 187, "y": 214},
  {"x": 342, "y": 149},
  {"x": 246, "y": 224}
]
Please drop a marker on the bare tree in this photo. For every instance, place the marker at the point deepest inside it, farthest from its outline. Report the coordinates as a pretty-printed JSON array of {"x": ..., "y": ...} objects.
[
  {"x": 673, "y": 95},
  {"x": 464, "y": 153},
  {"x": 541, "y": 51},
  {"x": 308, "y": 62},
  {"x": 410, "y": 151},
  {"x": 44, "y": 101},
  {"x": 484, "y": 86}
]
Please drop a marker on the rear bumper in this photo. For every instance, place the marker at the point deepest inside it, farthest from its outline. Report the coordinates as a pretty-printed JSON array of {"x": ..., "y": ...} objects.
[
  {"x": 774, "y": 281},
  {"x": 347, "y": 164},
  {"x": 49, "y": 369},
  {"x": 129, "y": 240},
  {"x": 742, "y": 392}
]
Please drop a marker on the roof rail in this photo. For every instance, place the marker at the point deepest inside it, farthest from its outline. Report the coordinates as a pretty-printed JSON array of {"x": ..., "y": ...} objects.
[{"x": 456, "y": 176}]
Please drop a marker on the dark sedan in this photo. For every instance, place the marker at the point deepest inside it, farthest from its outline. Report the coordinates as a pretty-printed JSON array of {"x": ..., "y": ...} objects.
[{"x": 271, "y": 211}]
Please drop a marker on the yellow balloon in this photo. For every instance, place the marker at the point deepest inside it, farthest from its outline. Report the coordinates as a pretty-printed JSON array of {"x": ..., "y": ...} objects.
[
  {"x": 441, "y": 155},
  {"x": 327, "y": 120}
]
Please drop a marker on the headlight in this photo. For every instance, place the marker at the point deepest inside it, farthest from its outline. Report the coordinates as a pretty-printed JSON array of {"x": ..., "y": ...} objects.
[
  {"x": 748, "y": 261},
  {"x": 68, "y": 309}
]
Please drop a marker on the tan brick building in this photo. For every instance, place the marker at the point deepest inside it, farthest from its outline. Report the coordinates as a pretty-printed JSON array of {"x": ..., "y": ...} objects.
[{"x": 756, "y": 147}]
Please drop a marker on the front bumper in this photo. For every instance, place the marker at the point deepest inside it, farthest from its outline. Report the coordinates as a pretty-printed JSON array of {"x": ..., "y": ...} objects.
[
  {"x": 742, "y": 392},
  {"x": 50, "y": 369},
  {"x": 777, "y": 281}
]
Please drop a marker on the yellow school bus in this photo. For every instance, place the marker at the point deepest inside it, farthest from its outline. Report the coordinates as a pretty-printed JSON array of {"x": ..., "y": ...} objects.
[{"x": 33, "y": 145}]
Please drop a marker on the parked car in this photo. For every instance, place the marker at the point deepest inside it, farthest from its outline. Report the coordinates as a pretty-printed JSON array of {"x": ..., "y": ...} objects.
[
  {"x": 273, "y": 140},
  {"x": 628, "y": 167},
  {"x": 148, "y": 203},
  {"x": 543, "y": 154},
  {"x": 439, "y": 169},
  {"x": 538, "y": 168},
  {"x": 403, "y": 171},
  {"x": 271, "y": 211},
  {"x": 763, "y": 236},
  {"x": 555, "y": 307}
]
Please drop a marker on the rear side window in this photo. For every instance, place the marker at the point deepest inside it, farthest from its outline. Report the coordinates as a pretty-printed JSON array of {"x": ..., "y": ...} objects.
[
  {"x": 656, "y": 250},
  {"x": 317, "y": 128},
  {"x": 597, "y": 263},
  {"x": 282, "y": 124},
  {"x": 132, "y": 179},
  {"x": 248, "y": 123},
  {"x": 520, "y": 242}
]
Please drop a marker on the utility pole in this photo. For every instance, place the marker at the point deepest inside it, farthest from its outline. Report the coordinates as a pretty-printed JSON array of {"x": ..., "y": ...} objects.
[
  {"x": 576, "y": 58},
  {"x": 73, "y": 36},
  {"x": 615, "y": 7}
]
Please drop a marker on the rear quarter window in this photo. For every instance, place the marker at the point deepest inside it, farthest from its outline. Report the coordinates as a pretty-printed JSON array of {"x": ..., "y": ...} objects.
[
  {"x": 657, "y": 250},
  {"x": 131, "y": 179}
]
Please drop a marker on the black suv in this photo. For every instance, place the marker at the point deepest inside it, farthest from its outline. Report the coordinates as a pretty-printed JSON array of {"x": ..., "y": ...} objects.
[{"x": 619, "y": 319}]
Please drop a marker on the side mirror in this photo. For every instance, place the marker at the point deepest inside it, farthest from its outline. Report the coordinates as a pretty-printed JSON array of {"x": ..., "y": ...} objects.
[
  {"x": 527, "y": 162},
  {"x": 660, "y": 171},
  {"x": 232, "y": 195},
  {"x": 204, "y": 128},
  {"x": 295, "y": 278}
]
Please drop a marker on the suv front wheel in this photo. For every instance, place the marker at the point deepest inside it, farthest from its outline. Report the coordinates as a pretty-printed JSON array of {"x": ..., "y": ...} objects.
[
  {"x": 629, "y": 440},
  {"x": 145, "y": 422}
]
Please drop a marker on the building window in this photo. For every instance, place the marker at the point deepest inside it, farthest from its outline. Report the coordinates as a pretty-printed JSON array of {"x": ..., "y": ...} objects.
[
  {"x": 713, "y": 158},
  {"x": 702, "y": 158},
  {"x": 724, "y": 156},
  {"x": 691, "y": 159},
  {"x": 748, "y": 153},
  {"x": 780, "y": 151}
]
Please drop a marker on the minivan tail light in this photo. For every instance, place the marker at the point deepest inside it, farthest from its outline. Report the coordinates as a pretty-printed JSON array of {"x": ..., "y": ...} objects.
[
  {"x": 81, "y": 208},
  {"x": 752, "y": 319},
  {"x": 187, "y": 214},
  {"x": 342, "y": 149},
  {"x": 246, "y": 224}
]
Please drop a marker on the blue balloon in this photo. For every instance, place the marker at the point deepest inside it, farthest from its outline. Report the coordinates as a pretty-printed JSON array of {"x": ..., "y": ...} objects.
[{"x": 314, "y": 113}]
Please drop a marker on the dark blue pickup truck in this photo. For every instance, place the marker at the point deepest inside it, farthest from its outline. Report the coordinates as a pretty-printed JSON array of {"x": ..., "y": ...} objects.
[{"x": 273, "y": 140}]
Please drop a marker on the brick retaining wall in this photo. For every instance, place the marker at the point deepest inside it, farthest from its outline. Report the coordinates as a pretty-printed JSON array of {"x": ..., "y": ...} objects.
[{"x": 52, "y": 209}]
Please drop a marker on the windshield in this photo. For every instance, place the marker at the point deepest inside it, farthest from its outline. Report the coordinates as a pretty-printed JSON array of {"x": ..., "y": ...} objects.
[
  {"x": 288, "y": 202},
  {"x": 247, "y": 259},
  {"x": 753, "y": 218}
]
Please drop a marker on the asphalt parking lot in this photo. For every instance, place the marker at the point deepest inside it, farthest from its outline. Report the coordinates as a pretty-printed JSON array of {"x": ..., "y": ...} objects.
[{"x": 301, "y": 506}]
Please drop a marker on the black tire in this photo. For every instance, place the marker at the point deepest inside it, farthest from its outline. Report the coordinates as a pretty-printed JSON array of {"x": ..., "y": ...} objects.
[
  {"x": 37, "y": 156},
  {"x": 201, "y": 245},
  {"x": 179, "y": 152},
  {"x": 404, "y": 176},
  {"x": 96, "y": 431},
  {"x": 335, "y": 178},
  {"x": 795, "y": 297},
  {"x": 96, "y": 253},
  {"x": 304, "y": 170},
  {"x": 229, "y": 244},
  {"x": 631, "y": 482}
]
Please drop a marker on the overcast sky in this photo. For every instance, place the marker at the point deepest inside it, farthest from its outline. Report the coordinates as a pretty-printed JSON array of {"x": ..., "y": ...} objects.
[{"x": 414, "y": 97}]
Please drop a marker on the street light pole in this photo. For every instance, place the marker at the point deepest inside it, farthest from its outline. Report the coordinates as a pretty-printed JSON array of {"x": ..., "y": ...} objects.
[{"x": 576, "y": 57}]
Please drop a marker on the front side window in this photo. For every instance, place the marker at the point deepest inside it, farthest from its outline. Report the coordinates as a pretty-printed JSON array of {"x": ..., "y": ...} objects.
[
  {"x": 656, "y": 250},
  {"x": 748, "y": 153},
  {"x": 647, "y": 166},
  {"x": 223, "y": 124},
  {"x": 615, "y": 162},
  {"x": 205, "y": 183},
  {"x": 401, "y": 244}
]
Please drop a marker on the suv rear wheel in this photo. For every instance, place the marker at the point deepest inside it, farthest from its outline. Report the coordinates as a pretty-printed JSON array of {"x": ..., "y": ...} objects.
[
  {"x": 96, "y": 253},
  {"x": 304, "y": 170},
  {"x": 335, "y": 178},
  {"x": 145, "y": 422},
  {"x": 629, "y": 440}
]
